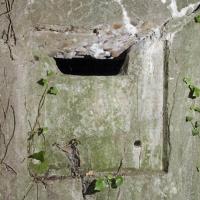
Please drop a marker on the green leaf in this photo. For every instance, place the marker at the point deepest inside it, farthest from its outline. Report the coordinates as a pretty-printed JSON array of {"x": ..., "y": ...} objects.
[
  {"x": 189, "y": 118},
  {"x": 52, "y": 90},
  {"x": 197, "y": 19},
  {"x": 195, "y": 108},
  {"x": 41, "y": 167},
  {"x": 43, "y": 82},
  {"x": 50, "y": 73},
  {"x": 110, "y": 176},
  {"x": 198, "y": 169},
  {"x": 38, "y": 156},
  {"x": 195, "y": 131},
  {"x": 119, "y": 180},
  {"x": 196, "y": 91},
  {"x": 100, "y": 184},
  {"x": 197, "y": 124},
  {"x": 116, "y": 182},
  {"x": 42, "y": 130}
]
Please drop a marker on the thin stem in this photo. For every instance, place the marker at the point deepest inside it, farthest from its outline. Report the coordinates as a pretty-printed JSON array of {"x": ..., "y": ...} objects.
[
  {"x": 28, "y": 190},
  {"x": 12, "y": 136}
]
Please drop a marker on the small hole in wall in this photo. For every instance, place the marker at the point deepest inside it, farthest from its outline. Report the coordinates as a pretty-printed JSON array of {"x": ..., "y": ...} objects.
[
  {"x": 138, "y": 143},
  {"x": 89, "y": 66}
]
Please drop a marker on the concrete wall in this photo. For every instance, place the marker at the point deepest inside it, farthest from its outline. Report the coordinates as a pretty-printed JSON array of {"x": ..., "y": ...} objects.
[{"x": 106, "y": 114}]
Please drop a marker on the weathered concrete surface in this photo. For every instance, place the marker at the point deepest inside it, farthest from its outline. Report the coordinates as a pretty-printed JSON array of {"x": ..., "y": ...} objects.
[
  {"x": 184, "y": 147},
  {"x": 106, "y": 114}
]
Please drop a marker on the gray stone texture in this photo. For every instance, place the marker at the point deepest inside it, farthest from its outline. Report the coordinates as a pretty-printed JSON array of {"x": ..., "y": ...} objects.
[{"x": 106, "y": 114}]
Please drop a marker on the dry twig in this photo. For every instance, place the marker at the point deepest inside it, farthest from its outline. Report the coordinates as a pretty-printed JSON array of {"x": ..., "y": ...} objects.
[{"x": 9, "y": 34}]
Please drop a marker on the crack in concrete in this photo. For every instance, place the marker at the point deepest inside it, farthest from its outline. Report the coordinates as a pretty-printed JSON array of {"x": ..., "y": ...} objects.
[
  {"x": 166, "y": 132},
  {"x": 167, "y": 115}
]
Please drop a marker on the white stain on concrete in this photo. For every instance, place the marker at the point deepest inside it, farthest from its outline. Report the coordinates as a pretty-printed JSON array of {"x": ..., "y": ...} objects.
[
  {"x": 150, "y": 50},
  {"x": 163, "y": 1},
  {"x": 174, "y": 9},
  {"x": 152, "y": 77},
  {"x": 62, "y": 87},
  {"x": 157, "y": 188},
  {"x": 126, "y": 19},
  {"x": 97, "y": 49},
  {"x": 170, "y": 36},
  {"x": 136, "y": 156},
  {"x": 29, "y": 2},
  {"x": 174, "y": 190}
]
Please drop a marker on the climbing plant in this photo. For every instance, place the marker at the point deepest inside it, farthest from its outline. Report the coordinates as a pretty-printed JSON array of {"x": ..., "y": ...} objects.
[
  {"x": 38, "y": 161},
  {"x": 109, "y": 181},
  {"x": 194, "y": 93},
  {"x": 197, "y": 19}
]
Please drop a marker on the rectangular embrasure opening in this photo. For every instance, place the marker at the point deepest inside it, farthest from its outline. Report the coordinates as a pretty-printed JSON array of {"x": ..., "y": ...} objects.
[{"x": 90, "y": 66}]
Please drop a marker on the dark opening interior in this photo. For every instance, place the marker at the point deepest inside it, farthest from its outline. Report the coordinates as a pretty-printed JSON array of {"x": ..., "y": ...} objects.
[
  {"x": 138, "y": 143},
  {"x": 89, "y": 66}
]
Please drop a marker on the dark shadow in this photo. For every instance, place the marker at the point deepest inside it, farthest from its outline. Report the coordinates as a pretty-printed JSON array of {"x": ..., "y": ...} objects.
[
  {"x": 166, "y": 114},
  {"x": 138, "y": 143},
  {"x": 191, "y": 94},
  {"x": 91, "y": 188},
  {"x": 89, "y": 66}
]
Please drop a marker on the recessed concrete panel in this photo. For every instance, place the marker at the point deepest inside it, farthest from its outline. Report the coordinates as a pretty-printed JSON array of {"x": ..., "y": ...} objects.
[{"x": 109, "y": 115}]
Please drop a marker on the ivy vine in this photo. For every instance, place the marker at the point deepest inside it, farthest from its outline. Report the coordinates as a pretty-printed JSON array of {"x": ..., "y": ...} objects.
[
  {"x": 38, "y": 163},
  {"x": 37, "y": 129},
  {"x": 197, "y": 19},
  {"x": 194, "y": 93},
  {"x": 109, "y": 181}
]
